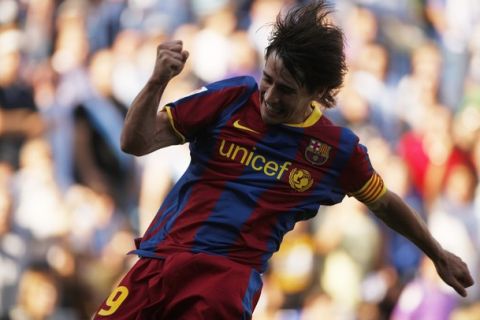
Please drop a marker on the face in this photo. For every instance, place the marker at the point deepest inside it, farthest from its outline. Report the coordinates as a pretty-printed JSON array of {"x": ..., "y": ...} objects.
[{"x": 282, "y": 98}]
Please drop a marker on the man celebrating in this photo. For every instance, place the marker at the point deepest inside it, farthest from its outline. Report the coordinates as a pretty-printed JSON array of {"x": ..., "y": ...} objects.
[{"x": 262, "y": 158}]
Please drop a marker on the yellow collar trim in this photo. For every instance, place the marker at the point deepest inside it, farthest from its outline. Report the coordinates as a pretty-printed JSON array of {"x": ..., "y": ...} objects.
[{"x": 312, "y": 118}]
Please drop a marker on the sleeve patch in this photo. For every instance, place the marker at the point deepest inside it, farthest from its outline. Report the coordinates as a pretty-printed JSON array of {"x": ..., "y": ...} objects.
[{"x": 371, "y": 191}]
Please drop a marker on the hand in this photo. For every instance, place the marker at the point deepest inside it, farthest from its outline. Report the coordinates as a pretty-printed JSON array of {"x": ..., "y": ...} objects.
[
  {"x": 454, "y": 272},
  {"x": 170, "y": 61}
]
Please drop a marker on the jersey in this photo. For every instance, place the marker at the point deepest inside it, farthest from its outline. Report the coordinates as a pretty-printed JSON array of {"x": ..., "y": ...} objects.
[{"x": 248, "y": 183}]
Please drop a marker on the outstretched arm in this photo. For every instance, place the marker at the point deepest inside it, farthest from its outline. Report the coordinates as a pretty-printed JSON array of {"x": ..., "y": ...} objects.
[
  {"x": 147, "y": 129},
  {"x": 392, "y": 210}
]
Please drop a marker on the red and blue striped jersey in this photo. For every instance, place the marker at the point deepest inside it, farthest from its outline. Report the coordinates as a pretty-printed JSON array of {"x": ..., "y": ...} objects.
[{"x": 248, "y": 183}]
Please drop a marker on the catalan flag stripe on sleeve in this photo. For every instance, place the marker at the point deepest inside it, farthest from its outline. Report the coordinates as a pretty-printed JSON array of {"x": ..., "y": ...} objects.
[{"x": 371, "y": 191}]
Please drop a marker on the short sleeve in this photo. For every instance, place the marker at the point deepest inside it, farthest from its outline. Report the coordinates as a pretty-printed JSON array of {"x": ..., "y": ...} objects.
[
  {"x": 360, "y": 179},
  {"x": 203, "y": 108}
]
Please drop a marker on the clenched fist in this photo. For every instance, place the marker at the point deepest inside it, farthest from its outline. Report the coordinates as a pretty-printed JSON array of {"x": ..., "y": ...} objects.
[
  {"x": 454, "y": 272},
  {"x": 170, "y": 61}
]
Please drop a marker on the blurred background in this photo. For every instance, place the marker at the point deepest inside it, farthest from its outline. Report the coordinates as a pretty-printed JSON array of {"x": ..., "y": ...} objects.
[{"x": 71, "y": 202}]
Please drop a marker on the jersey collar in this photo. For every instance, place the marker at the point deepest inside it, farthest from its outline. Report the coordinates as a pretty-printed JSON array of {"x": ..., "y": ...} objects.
[{"x": 312, "y": 118}]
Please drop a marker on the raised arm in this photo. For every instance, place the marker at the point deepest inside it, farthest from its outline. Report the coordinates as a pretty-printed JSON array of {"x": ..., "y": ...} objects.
[
  {"x": 392, "y": 210},
  {"x": 147, "y": 129}
]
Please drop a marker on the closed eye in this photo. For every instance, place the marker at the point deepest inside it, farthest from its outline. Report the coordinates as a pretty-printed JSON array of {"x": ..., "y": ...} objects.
[
  {"x": 286, "y": 90},
  {"x": 267, "y": 78},
  {"x": 282, "y": 87}
]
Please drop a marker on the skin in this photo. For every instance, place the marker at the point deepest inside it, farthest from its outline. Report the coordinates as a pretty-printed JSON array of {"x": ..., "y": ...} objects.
[
  {"x": 282, "y": 100},
  {"x": 147, "y": 129},
  {"x": 396, "y": 214}
]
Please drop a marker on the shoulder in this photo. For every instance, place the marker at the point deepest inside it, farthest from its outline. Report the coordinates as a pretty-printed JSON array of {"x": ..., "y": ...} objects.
[
  {"x": 222, "y": 90},
  {"x": 342, "y": 134},
  {"x": 349, "y": 136},
  {"x": 236, "y": 82}
]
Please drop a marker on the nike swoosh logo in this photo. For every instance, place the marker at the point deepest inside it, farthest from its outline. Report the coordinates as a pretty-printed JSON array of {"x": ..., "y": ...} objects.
[{"x": 237, "y": 125}]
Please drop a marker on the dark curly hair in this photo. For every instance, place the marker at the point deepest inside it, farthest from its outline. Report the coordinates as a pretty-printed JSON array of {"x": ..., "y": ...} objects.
[{"x": 311, "y": 48}]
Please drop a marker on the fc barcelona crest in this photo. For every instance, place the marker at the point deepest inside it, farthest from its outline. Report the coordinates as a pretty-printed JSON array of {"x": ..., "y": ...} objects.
[{"x": 317, "y": 152}]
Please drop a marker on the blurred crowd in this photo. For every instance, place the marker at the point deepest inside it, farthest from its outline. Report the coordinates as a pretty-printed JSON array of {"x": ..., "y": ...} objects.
[{"x": 71, "y": 202}]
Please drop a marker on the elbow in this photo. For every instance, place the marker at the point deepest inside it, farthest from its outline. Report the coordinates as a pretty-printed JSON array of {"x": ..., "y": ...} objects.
[
  {"x": 133, "y": 151},
  {"x": 127, "y": 148},
  {"x": 130, "y": 146},
  {"x": 125, "y": 143}
]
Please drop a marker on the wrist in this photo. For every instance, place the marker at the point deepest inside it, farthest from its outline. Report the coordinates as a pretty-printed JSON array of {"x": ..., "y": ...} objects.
[
  {"x": 437, "y": 254},
  {"x": 157, "y": 83}
]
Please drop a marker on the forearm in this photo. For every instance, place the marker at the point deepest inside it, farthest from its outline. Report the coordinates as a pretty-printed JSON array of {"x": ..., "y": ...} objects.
[
  {"x": 145, "y": 129},
  {"x": 401, "y": 218},
  {"x": 404, "y": 220},
  {"x": 140, "y": 125}
]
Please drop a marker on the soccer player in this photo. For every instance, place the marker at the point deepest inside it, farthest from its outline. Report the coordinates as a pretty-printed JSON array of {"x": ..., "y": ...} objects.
[{"x": 262, "y": 158}]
